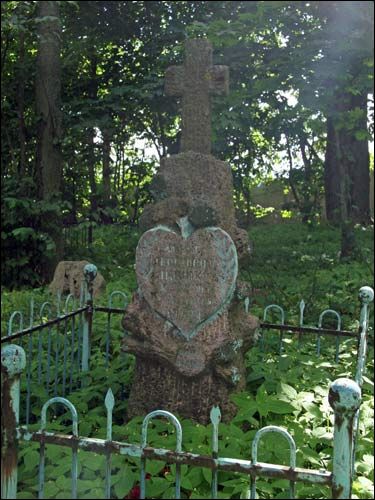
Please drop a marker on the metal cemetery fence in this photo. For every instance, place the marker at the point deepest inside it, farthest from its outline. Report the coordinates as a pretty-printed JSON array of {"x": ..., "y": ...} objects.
[
  {"x": 304, "y": 329},
  {"x": 67, "y": 358},
  {"x": 60, "y": 345},
  {"x": 79, "y": 235}
]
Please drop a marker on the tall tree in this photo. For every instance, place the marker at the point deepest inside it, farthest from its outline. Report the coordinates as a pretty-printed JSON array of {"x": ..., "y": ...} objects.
[
  {"x": 49, "y": 116},
  {"x": 346, "y": 71}
]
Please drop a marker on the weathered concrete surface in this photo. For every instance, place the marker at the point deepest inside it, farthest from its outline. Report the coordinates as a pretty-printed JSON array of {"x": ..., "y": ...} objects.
[
  {"x": 69, "y": 276},
  {"x": 187, "y": 376},
  {"x": 201, "y": 187},
  {"x": 185, "y": 328},
  {"x": 198, "y": 271},
  {"x": 195, "y": 81}
]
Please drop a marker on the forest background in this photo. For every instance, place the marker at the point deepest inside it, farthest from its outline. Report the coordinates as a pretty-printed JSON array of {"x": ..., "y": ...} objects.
[
  {"x": 83, "y": 106},
  {"x": 85, "y": 125}
]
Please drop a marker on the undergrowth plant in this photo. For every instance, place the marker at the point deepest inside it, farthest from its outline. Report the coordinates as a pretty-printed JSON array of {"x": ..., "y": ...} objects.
[{"x": 289, "y": 390}]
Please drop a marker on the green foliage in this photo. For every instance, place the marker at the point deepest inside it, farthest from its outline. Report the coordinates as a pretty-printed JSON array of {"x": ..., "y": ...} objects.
[
  {"x": 119, "y": 242},
  {"x": 23, "y": 243},
  {"x": 319, "y": 276},
  {"x": 288, "y": 390},
  {"x": 290, "y": 65}
]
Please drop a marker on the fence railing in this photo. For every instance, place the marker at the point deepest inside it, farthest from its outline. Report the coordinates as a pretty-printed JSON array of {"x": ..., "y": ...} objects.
[
  {"x": 304, "y": 330},
  {"x": 58, "y": 339},
  {"x": 79, "y": 235},
  {"x": 344, "y": 398}
]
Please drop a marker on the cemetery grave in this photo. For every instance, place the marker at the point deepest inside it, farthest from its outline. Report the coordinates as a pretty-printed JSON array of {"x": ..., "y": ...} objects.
[{"x": 190, "y": 330}]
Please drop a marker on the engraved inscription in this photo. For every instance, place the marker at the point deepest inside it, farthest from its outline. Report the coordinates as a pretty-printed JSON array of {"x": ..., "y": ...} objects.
[{"x": 187, "y": 281}]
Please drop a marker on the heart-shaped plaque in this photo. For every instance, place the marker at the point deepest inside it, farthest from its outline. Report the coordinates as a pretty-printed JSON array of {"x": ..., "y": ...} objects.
[{"x": 187, "y": 280}]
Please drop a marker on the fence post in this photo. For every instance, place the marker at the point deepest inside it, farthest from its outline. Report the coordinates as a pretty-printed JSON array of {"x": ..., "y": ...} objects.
[
  {"x": 344, "y": 397},
  {"x": 13, "y": 362},
  {"x": 89, "y": 272}
]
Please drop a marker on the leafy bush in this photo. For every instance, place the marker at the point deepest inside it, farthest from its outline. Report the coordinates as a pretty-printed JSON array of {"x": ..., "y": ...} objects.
[{"x": 24, "y": 245}]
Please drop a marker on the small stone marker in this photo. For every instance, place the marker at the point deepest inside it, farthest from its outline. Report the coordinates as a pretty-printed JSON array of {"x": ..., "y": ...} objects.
[
  {"x": 69, "y": 275},
  {"x": 186, "y": 328}
]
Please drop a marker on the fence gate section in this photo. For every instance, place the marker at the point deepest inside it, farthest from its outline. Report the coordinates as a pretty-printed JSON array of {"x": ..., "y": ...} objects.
[{"x": 344, "y": 398}]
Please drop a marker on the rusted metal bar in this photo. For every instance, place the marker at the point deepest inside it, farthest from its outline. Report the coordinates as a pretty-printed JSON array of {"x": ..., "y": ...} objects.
[
  {"x": 108, "y": 335},
  {"x": 109, "y": 309},
  {"x": 74, "y": 414},
  {"x": 345, "y": 398},
  {"x": 308, "y": 329},
  {"x": 282, "y": 322},
  {"x": 302, "y": 306},
  {"x": 102, "y": 446},
  {"x": 13, "y": 362},
  {"x": 90, "y": 272},
  {"x": 215, "y": 417},
  {"x": 20, "y": 322},
  {"x": 109, "y": 404},
  {"x": 177, "y": 425},
  {"x": 22, "y": 333},
  {"x": 366, "y": 295},
  {"x": 320, "y": 324},
  {"x": 254, "y": 455}
]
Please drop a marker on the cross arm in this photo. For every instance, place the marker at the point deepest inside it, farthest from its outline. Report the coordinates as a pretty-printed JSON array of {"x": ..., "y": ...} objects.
[{"x": 219, "y": 80}]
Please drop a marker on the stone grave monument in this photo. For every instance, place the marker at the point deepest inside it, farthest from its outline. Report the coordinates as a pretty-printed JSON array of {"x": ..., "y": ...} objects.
[{"x": 186, "y": 324}]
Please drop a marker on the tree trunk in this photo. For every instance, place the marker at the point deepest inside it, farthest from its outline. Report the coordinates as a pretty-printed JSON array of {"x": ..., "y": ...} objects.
[
  {"x": 343, "y": 162},
  {"x": 106, "y": 179},
  {"x": 21, "y": 107},
  {"x": 359, "y": 166},
  {"x": 92, "y": 181},
  {"x": 347, "y": 115},
  {"x": 332, "y": 176},
  {"x": 345, "y": 144},
  {"x": 106, "y": 167},
  {"x": 92, "y": 93},
  {"x": 49, "y": 133}
]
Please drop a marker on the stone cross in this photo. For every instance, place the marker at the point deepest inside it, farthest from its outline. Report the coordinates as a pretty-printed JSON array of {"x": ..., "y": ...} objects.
[
  {"x": 195, "y": 81},
  {"x": 186, "y": 326}
]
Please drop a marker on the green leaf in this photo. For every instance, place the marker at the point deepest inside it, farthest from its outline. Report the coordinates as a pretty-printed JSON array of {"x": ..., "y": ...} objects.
[
  {"x": 195, "y": 476},
  {"x": 322, "y": 433},
  {"x": 288, "y": 390},
  {"x": 313, "y": 410},
  {"x": 126, "y": 481},
  {"x": 50, "y": 489},
  {"x": 169, "y": 493},
  {"x": 280, "y": 407},
  {"x": 23, "y": 232},
  {"x": 31, "y": 460},
  {"x": 153, "y": 467},
  {"x": 156, "y": 486},
  {"x": 207, "y": 474},
  {"x": 64, "y": 482},
  {"x": 26, "y": 494},
  {"x": 92, "y": 461}
]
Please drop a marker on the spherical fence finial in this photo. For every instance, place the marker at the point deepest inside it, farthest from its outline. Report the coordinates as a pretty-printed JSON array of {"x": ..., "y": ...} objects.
[
  {"x": 366, "y": 294},
  {"x": 90, "y": 271},
  {"x": 344, "y": 395},
  {"x": 13, "y": 359}
]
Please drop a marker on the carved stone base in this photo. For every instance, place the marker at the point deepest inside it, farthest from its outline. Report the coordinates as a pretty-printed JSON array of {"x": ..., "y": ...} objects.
[
  {"x": 157, "y": 387},
  {"x": 187, "y": 377}
]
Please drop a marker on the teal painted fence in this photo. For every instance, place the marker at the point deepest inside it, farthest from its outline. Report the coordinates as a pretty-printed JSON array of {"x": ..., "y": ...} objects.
[
  {"x": 72, "y": 359},
  {"x": 57, "y": 339}
]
